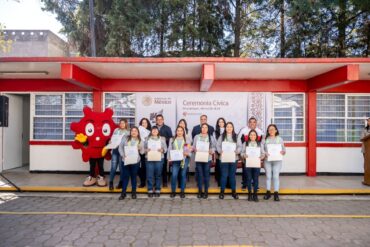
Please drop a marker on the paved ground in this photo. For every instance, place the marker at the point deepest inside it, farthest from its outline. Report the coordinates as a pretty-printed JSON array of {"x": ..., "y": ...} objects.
[{"x": 55, "y": 220}]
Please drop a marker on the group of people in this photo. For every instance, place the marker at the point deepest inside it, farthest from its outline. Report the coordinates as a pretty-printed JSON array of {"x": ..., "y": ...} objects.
[{"x": 154, "y": 174}]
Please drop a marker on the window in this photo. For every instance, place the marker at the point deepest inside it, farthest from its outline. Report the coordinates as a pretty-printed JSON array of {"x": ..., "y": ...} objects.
[
  {"x": 288, "y": 115},
  {"x": 123, "y": 105},
  {"x": 53, "y": 114},
  {"x": 341, "y": 117}
]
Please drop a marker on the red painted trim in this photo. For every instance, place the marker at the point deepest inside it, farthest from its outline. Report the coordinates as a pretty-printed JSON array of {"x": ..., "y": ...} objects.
[
  {"x": 259, "y": 86},
  {"x": 183, "y": 60},
  {"x": 128, "y": 85},
  {"x": 311, "y": 134},
  {"x": 334, "y": 78},
  {"x": 79, "y": 77},
  {"x": 51, "y": 143},
  {"x": 97, "y": 101},
  {"x": 339, "y": 145},
  {"x": 361, "y": 86},
  {"x": 208, "y": 77},
  {"x": 295, "y": 144},
  {"x": 38, "y": 85}
]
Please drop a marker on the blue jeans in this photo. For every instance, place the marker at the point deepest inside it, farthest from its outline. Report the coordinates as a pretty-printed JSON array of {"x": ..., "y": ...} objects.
[
  {"x": 228, "y": 170},
  {"x": 154, "y": 172},
  {"x": 272, "y": 169},
  {"x": 203, "y": 170},
  {"x": 115, "y": 163},
  {"x": 252, "y": 175},
  {"x": 129, "y": 171},
  {"x": 176, "y": 168}
]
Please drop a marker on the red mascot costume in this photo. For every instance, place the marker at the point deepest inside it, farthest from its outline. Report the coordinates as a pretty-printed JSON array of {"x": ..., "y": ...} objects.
[{"x": 92, "y": 133}]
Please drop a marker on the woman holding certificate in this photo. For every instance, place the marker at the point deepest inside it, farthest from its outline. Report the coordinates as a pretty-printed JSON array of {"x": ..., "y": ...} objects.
[
  {"x": 229, "y": 150},
  {"x": 179, "y": 152},
  {"x": 274, "y": 150},
  {"x": 144, "y": 129},
  {"x": 253, "y": 153},
  {"x": 118, "y": 134},
  {"x": 155, "y": 146},
  {"x": 204, "y": 146},
  {"x": 130, "y": 150},
  {"x": 220, "y": 129}
]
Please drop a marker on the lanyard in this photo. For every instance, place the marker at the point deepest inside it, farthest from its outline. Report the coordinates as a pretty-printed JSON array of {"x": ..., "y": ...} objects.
[
  {"x": 135, "y": 143},
  {"x": 277, "y": 140},
  {"x": 177, "y": 144},
  {"x": 205, "y": 139}
]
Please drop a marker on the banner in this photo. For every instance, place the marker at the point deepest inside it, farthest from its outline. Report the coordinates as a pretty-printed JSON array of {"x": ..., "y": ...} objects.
[{"x": 149, "y": 105}]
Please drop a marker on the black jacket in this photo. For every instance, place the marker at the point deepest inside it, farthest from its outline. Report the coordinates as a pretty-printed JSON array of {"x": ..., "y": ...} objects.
[{"x": 166, "y": 132}]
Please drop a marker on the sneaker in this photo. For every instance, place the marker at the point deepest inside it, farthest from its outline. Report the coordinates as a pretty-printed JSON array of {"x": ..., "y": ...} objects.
[
  {"x": 101, "y": 181},
  {"x": 119, "y": 185},
  {"x": 89, "y": 181}
]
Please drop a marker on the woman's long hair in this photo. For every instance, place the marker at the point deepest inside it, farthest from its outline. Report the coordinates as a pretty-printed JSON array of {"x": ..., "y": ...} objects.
[
  {"x": 233, "y": 134},
  {"x": 267, "y": 131},
  {"x": 138, "y": 134},
  {"x": 149, "y": 127},
  {"x": 218, "y": 130}
]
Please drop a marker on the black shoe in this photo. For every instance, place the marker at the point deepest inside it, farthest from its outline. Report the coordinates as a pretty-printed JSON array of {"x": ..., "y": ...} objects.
[
  {"x": 157, "y": 194},
  {"x": 141, "y": 185},
  {"x": 205, "y": 195},
  {"x": 165, "y": 185},
  {"x": 200, "y": 195},
  {"x": 173, "y": 195},
  {"x": 276, "y": 196},
  {"x": 133, "y": 195},
  {"x": 150, "y": 195},
  {"x": 255, "y": 197},
  {"x": 250, "y": 196},
  {"x": 235, "y": 196},
  {"x": 268, "y": 195},
  {"x": 123, "y": 196},
  {"x": 182, "y": 195},
  {"x": 119, "y": 185},
  {"x": 221, "y": 195},
  {"x": 244, "y": 188},
  {"x": 111, "y": 186}
]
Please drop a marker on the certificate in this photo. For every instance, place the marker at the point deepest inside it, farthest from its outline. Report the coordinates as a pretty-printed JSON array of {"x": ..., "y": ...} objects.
[
  {"x": 131, "y": 155},
  {"x": 202, "y": 146},
  {"x": 176, "y": 155},
  {"x": 144, "y": 133},
  {"x": 274, "y": 152},
  {"x": 228, "y": 147},
  {"x": 201, "y": 157},
  {"x": 253, "y": 152},
  {"x": 154, "y": 145},
  {"x": 228, "y": 157},
  {"x": 154, "y": 156},
  {"x": 253, "y": 162},
  {"x": 115, "y": 141}
]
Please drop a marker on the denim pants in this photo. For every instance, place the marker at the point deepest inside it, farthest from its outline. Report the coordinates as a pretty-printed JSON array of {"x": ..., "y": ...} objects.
[
  {"x": 115, "y": 163},
  {"x": 142, "y": 170},
  {"x": 203, "y": 170},
  {"x": 272, "y": 169},
  {"x": 252, "y": 175},
  {"x": 176, "y": 169},
  {"x": 154, "y": 172},
  {"x": 228, "y": 170},
  {"x": 129, "y": 171}
]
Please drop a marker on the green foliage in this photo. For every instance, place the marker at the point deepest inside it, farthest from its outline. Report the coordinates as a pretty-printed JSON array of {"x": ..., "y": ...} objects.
[{"x": 245, "y": 28}]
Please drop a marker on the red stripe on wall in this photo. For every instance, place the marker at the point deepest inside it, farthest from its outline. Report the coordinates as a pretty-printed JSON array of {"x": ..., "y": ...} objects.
[
  {"x": 38, "y": 85},
  {"x": 51, "y": 143},
  {"x": 339, "y": 145}
]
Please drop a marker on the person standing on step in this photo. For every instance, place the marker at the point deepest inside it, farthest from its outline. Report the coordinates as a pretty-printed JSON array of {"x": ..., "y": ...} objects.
[
  {"x": 144, "y": 123},
  {"x": 227, "y": 144},
  {"x": 274, "y": 142},
  {"x": 166, "y": 132},
  {"x": 220, "y": 128}
]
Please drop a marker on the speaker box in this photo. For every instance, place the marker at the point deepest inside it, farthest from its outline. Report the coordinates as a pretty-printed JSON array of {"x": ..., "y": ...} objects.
[{"x": 4, "y": 111}]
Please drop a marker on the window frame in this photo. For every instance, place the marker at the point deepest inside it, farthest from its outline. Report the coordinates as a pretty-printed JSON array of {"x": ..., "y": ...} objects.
[
  {"x": 114, "y": 116},
  {"x": 303, "y": 117}
]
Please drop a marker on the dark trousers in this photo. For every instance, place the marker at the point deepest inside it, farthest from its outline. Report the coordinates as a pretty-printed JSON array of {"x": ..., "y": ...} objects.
[
  {"x": 96, "y": 161},
  {"x": 252, "y": 177},
  {"x": 164, "y": 170},
  {"x": 228, "y": 171},
  {"x": 202, "y": 170},
  {"x": 142, "y": 170},
  {"x": 129, "y": 172},
  {"x": 218, "y": 172}
]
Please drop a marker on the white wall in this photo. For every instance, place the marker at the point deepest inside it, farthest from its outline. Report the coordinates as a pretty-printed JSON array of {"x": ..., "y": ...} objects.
[
  {"x": 346, "y": 160},
  {"x": 58, "y": 158},
  {"x": 294, "y": 160}
]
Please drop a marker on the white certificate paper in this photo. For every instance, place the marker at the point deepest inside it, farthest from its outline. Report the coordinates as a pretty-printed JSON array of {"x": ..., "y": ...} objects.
[
  {"x": 274, "y": 152},
  {"x": 144, "y": 133},
  {"x": 176, "y": 155},
  {"x": 115, "y": 141},
  {"x": 253, "y": 152},
  {"x": 228, "y": 152},
  {"x": 154, "y": 156},
  {"x": 154, "y": 145},
  {"x": 228, "y": 147},
  {"x": 201, "y": 157},
  {"x": 202, "y": 146},
  {"x": 253, "y": 162},
  {"x": 132, "y": 155}
]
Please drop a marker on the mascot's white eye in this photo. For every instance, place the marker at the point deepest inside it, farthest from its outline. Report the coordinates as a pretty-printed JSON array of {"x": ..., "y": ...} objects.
[
  {"x": 89, "y": 129},
  {"x": 106, "y": 129}
]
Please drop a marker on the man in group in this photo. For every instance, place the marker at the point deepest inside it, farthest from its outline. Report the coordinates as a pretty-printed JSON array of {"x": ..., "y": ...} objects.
[
  {"x": 166, "y": 132},
  {"x": 242, "y": 137},
  {"x": 197, "y": 128}
]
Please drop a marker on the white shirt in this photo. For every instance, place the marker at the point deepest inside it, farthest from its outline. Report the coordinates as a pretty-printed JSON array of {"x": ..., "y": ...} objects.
[{"x": 245, "y": 131}]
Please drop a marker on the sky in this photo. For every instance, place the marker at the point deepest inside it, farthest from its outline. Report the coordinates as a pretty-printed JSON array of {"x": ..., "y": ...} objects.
[{"x": 27, "y": 14}]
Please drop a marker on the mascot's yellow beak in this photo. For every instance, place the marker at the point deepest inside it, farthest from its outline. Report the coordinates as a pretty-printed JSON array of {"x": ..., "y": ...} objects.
[{"x": 81, "y": 138}]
